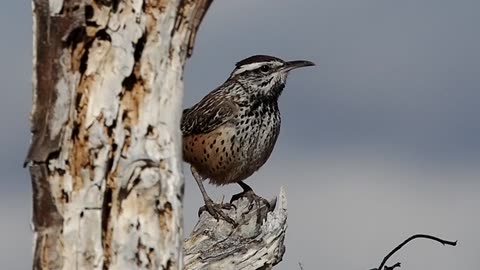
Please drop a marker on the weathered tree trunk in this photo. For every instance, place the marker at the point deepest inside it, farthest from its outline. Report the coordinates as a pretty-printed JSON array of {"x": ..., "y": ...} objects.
[{"x": 105, "y": 156}]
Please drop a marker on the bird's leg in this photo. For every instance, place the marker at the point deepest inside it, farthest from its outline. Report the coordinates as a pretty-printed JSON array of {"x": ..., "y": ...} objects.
[
  {"x": 250, "y": 195},
  {"x": 214, "y": 209}
]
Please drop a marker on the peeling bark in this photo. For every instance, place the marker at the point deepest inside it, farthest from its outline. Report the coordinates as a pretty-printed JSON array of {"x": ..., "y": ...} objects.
[{"x": 105, "y": 157}]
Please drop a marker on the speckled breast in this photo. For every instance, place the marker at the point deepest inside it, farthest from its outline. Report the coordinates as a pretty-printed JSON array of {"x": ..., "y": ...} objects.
[{"x": 235, "y": 150}]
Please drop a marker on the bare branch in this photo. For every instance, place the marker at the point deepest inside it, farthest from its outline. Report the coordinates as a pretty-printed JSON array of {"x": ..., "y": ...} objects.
[{"x": 426, "y": 236}]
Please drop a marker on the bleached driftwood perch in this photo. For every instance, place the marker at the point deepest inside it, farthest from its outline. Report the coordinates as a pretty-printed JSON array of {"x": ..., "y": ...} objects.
[{"x": 256, "y": 243}]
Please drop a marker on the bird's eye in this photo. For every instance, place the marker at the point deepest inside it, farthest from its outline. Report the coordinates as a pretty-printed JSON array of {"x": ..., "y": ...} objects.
[{"x": 264, "y": 68}]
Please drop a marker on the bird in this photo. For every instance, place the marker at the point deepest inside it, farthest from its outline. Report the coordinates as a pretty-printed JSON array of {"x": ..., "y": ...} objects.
[{"x": 230, "y": 133}]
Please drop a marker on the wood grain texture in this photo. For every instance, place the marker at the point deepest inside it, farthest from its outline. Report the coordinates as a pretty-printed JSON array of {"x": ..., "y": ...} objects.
[
  {"x": 256, "y": 243},
  {"x": 105, "y": 157}
]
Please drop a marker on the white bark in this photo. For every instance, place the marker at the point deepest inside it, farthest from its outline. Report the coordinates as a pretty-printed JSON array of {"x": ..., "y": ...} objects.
[
  {"x": 256, "y": 243},
  {"x": 105, "y": 157}
]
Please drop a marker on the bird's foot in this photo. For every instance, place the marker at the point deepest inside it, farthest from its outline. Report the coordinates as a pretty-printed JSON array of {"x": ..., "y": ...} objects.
[
  {"x": 252, "y": 199},
  {"x": 216, "y": 210}
]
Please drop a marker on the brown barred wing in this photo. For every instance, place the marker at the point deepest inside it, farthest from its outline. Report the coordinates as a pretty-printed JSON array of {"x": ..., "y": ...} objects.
[{"x": 210, "y": 113}]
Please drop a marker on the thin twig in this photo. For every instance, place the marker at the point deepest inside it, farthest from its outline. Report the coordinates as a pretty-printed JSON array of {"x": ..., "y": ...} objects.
[
  {"x": 393, "y": 266},
  {"x": 441, "y": 241}
]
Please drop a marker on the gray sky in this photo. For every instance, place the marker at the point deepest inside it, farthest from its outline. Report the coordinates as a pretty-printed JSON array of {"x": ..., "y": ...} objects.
[{"x": 379, "y": 141}]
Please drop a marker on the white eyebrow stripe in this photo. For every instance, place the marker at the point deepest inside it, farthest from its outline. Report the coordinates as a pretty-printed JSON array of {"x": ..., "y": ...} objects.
[{"x": 248, "y": 67}]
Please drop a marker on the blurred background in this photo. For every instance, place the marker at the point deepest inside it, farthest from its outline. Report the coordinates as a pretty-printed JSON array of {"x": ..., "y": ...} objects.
[{"x": 379, "y": 141}]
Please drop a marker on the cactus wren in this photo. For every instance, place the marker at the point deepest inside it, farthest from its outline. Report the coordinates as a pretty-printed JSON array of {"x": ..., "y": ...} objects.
[{"x": 231, "y": 132}]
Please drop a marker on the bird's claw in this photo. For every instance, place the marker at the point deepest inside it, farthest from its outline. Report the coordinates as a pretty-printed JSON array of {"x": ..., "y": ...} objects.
[
  {"x": 215, "y": 209},
  {"x": 252, "y": 198}
]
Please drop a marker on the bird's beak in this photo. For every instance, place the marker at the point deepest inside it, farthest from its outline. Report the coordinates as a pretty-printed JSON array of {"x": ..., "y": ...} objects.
[{"x": 297, "y": 64}]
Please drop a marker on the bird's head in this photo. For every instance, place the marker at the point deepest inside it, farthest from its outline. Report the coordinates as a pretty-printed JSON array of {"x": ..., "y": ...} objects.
[{"x": 265, "y": 75}]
